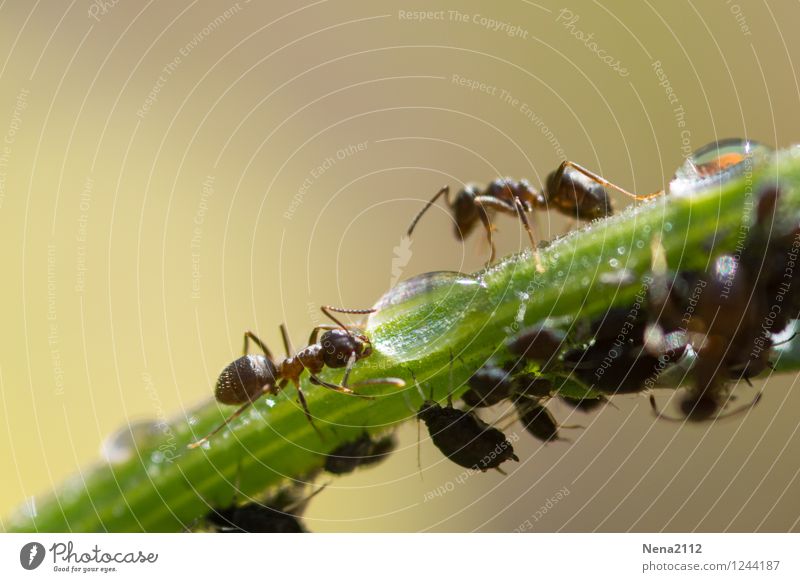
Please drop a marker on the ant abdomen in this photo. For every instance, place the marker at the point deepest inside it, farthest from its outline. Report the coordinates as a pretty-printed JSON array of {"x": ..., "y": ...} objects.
[{"x": 244, "y": 379}]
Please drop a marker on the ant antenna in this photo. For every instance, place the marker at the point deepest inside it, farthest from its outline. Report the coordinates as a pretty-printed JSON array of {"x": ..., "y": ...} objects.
[
  {"x": 327, "y": 309},
  {"x": 444, "y": 191}
]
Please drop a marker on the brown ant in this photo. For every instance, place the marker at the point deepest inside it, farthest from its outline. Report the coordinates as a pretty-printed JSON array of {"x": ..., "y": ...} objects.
[
  {"x": 571, "y": 190},
  {"x": 250, "y": 377}
]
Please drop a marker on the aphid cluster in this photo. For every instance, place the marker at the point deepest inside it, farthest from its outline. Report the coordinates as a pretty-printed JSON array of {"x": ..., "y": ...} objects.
[{"x": 726, "y": 317}]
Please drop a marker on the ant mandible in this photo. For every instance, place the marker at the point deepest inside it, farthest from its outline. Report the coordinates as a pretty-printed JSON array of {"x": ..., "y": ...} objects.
[{"x": 252, "y": 376}]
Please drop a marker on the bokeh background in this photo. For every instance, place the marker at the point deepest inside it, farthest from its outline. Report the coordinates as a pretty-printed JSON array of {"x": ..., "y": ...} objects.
[{"x": 173, "y": 173}]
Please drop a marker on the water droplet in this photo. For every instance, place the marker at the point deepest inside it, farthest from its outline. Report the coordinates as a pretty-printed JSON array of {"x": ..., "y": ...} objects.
[
  {"x": 667, "y": 226},
  {"x": 614, "y": 263},
  {"x": 646, "y": 228},
  {"x": 156, "y": 457},
  {"x": 127, "y": 441},
  {"x": 430, "y": 308},
  {"x": 621, "y": 250},
  {"x": 639, "y": 244},
  {"x": 717, "y": 163},
  {"x": 270, "y": 402}
]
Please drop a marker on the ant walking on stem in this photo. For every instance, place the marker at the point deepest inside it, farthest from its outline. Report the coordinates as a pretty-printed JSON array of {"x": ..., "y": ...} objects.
[
  {"x": 252, "y": 376},
  {"x": 571, "y": 190},
  {"x": 579, "y": 193}
]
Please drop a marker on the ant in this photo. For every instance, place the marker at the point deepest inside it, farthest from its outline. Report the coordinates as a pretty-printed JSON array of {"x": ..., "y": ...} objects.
[
  {"x": 571, "y": 190},
  {"x": 360, "y": 452},
  {"x": 464, "y": 438},
  {"x": 250, "y": 377}
]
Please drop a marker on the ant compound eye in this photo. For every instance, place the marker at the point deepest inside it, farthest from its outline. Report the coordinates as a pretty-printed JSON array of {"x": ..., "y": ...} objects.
[{"x": 716, "y": 163}]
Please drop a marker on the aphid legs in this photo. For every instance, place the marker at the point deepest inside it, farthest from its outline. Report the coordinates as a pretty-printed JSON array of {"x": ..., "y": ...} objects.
[{"x": 744, "y": 408}]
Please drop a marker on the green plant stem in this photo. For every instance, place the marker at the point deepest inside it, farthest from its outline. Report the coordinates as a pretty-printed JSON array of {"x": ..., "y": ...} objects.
[{"x": 167, "y": 487}]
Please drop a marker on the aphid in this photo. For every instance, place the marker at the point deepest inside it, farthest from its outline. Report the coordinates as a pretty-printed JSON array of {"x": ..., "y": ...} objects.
[
  {"x": 701, "y": 406},
  {"x": 619, "y": 368},
  {"x": 279, "y": 515},
  {"x": 728, "y": 326},
  {"x": 491, "y": 384},
  {"x": 252, "y": 376},
  {"x": 537, "y": 420},
  {"x": 584, "y": 404},
  {"x": 538, "y": 343},
  {"x": 464, "y": 438},
  {"x": 361, "y": 452}
]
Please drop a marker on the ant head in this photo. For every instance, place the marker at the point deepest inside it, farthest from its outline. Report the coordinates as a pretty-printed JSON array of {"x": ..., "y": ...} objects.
[{"x": 339, "y": 345}]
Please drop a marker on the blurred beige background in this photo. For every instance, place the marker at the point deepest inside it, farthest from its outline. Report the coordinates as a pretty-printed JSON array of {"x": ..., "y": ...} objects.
[{"x": 173, "y": 173}]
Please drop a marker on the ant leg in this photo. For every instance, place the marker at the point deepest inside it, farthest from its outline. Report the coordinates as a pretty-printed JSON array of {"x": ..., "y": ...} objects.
[
  {"x": 489, "y": 227},
  {"x": 445, "y": 191},
  {"x": 304, "y": 403},
  {"x": 228, "y": 420},
  {"x": 603, "y": 182},
  {"x": 287, "y": 342},
  {"x": 531, "y": 235},
  {"x": 248, "y": 336},
  {"x": 517, "y": 209}
]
